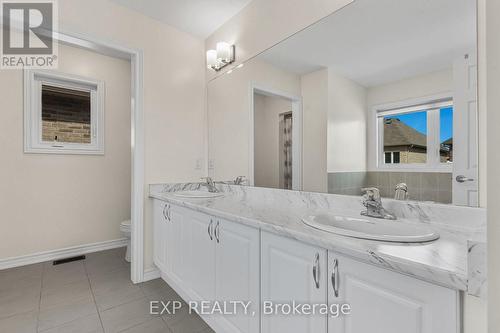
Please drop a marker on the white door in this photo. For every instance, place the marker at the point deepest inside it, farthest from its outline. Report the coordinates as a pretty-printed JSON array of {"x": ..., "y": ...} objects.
[
  {"x": 202, "y": 264},
  {"x": 382, "y": 301},
  {"x": 292, "y": 271},
  {"x": 179, "y": 246},
  {"x": 465, "y": 154},
  {"x": 237, "y": 271},
  {"x": 160, "y": 234}
]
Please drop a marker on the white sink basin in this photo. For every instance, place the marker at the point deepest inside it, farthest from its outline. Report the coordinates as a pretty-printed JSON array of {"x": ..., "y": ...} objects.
[
  {"x": 371, "y": 228},
  {"x": 197, "y": 194}
]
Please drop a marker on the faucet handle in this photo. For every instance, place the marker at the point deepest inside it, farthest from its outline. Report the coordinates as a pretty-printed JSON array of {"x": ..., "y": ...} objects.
[
  {"x": 240, "y": 180},
  {"x": 371, "y": 193}
]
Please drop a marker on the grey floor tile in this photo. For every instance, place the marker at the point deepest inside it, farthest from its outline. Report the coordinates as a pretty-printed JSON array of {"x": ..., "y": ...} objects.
[
  {"x": 208, "y": 330},
  {"x": 109, "y": 285},
  {"x": 174, "y": 318},
  {"x": 18, "y": 273},
  {"x": 118, "y": 296},
  {"x": 105, "y": 269},
  {"x": 89, "y": 324},
  {"x": 121, "y": 271},
  {"x": 65, "y": 313},
  {"x": 22, "y": 323},
  {"x": 66, "y": 298},
  {"x": 158, "y": 287},
  {"x": 28, "y": 284},
  {"x": 190, "y": 324},
  {"x": 126, "y": 316},
  {"x": 16, "y": 302},
  {"x": 65, "y": 294},
  {"x": 54, "y": 276},
  {"x": 155, "y": 325}
]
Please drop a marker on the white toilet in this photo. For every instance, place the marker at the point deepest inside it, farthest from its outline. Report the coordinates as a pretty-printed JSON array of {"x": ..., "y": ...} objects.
[{"x": 125, "y": 229}]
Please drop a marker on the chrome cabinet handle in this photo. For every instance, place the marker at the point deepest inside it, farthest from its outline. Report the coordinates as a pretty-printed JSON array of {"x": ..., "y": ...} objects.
[
  {"x": 316, "y": 270},
  {"x": 210, "y": 229},
  {"x": 166, "y": 212},
  {"x": 463, "y": 179},
  {"x": 217, "y": 232},
  {"x": 335, "y": 278}
]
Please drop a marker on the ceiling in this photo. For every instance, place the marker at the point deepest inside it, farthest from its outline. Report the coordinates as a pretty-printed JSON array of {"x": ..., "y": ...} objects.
[
  {"x": 197, "y": 17},
  {"x": 376, "y": 42}
]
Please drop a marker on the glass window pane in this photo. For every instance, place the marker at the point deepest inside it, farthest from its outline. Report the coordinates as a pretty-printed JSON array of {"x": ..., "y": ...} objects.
[
  {"x": 65, "y": 115},
  {"x": 406, "y": 135},
  {"x": 446, "y": 135},
  {"x": 395, "y": 157},
  {"x": 388, "y": 159}
]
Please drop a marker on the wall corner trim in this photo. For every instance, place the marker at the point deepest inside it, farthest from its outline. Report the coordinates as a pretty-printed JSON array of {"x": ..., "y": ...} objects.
[{"x": 151, "y": 274}]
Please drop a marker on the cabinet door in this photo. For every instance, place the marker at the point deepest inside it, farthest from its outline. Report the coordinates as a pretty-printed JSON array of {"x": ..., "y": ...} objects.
[
  {"x": 383, "y": 301},
  {"x": 292, "y": 271},
  {"x": 237, "y": 274},
  {"x": 160, "y": 223},
  {"x": 179, "y": 246},
  {"x": 202, "y": 263}
]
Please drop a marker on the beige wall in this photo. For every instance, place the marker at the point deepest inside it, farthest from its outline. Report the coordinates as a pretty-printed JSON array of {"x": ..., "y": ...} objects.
[
  {"x": 267, "y": 138},
  {"x": 174, "y": 89},
  {"x": 419, "y": 86},
  {"x": 314, "y": 88},
  {"x": 346, "y": 124},
  {"x": 229, "y": 114},
  {"x": 263, "y": 23},
  {"x": 50, "y": 202}
]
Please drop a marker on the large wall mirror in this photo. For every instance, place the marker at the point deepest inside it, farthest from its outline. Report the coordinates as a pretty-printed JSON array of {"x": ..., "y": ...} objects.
[{"x": 377, "y": 94}]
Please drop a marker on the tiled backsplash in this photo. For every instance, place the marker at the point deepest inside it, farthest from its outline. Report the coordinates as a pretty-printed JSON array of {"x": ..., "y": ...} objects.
[{"x": 422, "y": 186}]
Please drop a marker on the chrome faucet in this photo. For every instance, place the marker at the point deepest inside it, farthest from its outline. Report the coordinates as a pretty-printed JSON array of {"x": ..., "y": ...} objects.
[
  {"x": 210, "y": 184},
  {"x": 240, "y": 180},
  {"x": 401, "y": 192},
  {"x": 373, "y": 203}
]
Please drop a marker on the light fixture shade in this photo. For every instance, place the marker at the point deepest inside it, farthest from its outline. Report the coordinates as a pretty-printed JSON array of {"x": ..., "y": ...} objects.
[
  {"x": 223, "y": 51},
  {"x": 211, "y": 58}
]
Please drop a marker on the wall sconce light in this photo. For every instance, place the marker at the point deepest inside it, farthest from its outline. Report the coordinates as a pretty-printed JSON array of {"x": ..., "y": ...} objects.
[{"x": 222, "y": 56}]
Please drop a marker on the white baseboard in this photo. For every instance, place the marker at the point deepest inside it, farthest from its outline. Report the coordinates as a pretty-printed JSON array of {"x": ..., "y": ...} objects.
[
  {"x": 151, "y": 274},
  {"x": 61, "y": 253}
]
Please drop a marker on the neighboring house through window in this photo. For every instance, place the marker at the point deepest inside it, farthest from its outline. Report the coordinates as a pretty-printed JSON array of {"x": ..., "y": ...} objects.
[
  {"x": 63, "y": 113},
  {"x": 416, "y": 136}
]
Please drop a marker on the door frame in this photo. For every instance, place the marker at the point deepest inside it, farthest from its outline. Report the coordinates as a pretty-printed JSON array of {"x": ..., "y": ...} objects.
[
  {"x": 296, "y": 132},
  {"x": 135, "y": 56}
]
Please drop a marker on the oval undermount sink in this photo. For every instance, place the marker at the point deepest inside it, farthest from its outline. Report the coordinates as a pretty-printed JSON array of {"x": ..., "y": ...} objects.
[
  {"x": 371, "y": 228},
  {"x": 197, "y": 194}
]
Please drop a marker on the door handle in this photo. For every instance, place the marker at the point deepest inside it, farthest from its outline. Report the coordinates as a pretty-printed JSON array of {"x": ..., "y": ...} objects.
[
  {"x": 463, "y": 179},
  {"x": 210, "y": 229},
  {"x": 217, "y": 232},
  {"x": 316, "y": 270},
  {"x": 335, "y": 278}
]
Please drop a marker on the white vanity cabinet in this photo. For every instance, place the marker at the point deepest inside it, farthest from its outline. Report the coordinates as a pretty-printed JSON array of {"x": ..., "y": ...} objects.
[
  {"x": 209, "y": 259},
  {"x": 160, "y": 231},
  {"x": 383, "y": 301},
  {"x": 205, "y": 258},
  {"x": 237, "y": 265},
  {"x": 292, "y": 271}
]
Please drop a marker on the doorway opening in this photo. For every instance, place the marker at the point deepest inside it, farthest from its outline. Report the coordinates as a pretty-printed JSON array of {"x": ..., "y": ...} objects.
[{"x": 276, "y": 139}]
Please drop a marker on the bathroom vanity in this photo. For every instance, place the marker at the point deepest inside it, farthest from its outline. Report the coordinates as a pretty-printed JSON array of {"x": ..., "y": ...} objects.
[{"x": 250, "y": 244}]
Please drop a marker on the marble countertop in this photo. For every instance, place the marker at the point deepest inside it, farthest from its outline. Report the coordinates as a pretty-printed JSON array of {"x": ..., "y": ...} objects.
[{"x": 444, "y": 261}]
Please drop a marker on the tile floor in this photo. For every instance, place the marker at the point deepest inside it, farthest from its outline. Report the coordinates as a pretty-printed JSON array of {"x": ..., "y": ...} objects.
[{"x": 89, "y": 296}]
